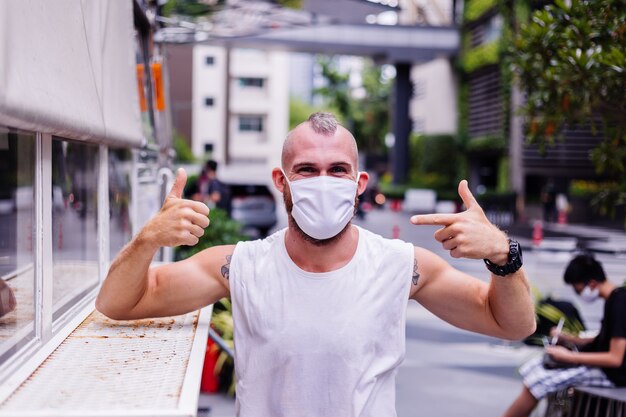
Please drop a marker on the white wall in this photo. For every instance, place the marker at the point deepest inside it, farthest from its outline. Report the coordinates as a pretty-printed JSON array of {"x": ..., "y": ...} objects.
[
  {"x": 209, "y": 81},
  {"x": 252, "y": 154},
  {"x": 433, "y": 107}
]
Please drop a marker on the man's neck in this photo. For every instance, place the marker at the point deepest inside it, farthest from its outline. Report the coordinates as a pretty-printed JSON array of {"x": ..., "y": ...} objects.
[
  {"x": 313, "y": 258},
  {"x": 606, "y": 288}
]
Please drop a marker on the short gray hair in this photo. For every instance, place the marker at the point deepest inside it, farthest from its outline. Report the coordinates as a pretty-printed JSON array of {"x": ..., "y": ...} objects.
[{"x": 323, "y": 123}]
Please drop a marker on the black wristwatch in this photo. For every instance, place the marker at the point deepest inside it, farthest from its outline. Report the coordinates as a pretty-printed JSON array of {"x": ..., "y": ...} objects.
[{"x": 513, "y": 264}]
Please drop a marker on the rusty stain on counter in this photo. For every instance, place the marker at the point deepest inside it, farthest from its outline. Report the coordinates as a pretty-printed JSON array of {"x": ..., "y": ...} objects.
[{"x": 112, "y": 348}]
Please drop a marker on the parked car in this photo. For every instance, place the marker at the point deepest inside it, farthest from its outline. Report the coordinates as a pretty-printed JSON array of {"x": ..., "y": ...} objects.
[{"x": 254, "y": 206}]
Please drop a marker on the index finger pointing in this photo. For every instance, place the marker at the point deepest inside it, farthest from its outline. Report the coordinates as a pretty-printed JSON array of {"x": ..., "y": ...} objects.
[{"x": 433, "y": 219}]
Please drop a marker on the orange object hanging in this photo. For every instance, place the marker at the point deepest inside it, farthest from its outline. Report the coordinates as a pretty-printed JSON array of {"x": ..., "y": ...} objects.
[
  {"x": 159, "y": 92},
  {"x": 143, "y": 104}
]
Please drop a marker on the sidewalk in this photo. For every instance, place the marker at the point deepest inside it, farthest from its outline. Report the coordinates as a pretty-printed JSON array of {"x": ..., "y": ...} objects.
[{"x": 572, "y": 237}]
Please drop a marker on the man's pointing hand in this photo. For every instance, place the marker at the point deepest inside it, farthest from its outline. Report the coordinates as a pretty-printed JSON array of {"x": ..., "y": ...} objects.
[
  {"x": 468, "y": 234},
  {"x": 180, "y": 221}
]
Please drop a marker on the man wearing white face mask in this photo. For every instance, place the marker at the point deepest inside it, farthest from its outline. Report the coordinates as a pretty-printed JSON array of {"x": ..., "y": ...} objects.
[
  {"x": 601, "y": 360},
  {"x": 319, "y": 308}
]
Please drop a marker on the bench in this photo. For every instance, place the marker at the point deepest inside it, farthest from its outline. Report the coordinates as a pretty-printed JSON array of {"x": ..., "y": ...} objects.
[
  {"x": 596, "y": 402},
  {"x": 587, "y": 402}
]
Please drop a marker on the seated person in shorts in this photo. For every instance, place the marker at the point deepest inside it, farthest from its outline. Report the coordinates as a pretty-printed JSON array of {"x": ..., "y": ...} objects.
[{"x": 599, "y": 361}]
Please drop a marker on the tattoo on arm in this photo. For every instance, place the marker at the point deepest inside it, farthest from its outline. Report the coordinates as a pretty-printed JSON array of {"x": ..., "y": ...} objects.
[
  {"x": 226, "y": 267},
  {"x": 416, "y": 275}
]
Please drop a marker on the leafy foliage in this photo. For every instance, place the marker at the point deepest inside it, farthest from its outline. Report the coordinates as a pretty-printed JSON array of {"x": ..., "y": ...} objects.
[
  {"x": 474, "y": 9},
  {"x": 191, "y": 8},
  {"x": 222, "y": 231},
  {"x": 183, "y": 151},
  {"x": 366, "y": 117},
  {"x": 299, "y": 111},
  {"x": 485, "y": 54},
  {"x": 570, "y": 58},
  {"x": 436, "y": 163},
  {"x": 222, "y": 322}
]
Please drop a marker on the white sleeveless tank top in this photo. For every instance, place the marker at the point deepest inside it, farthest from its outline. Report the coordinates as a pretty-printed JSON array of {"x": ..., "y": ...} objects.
[{"x": 319, "y": 344}]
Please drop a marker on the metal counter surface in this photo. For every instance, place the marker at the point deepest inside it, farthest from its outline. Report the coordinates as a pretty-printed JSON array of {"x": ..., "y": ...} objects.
[{"x": 148, "y": 367}]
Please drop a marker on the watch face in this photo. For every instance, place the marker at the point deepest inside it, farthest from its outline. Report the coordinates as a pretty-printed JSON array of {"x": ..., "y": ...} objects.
[
  {"x": 516, "y": 248},
  {"x": 514, "y": 263}
]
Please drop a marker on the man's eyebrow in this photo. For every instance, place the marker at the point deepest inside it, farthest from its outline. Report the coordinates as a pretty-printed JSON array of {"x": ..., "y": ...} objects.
[
  {"x": 302, "y": 164},
  {"x": 312, "y": 164}
]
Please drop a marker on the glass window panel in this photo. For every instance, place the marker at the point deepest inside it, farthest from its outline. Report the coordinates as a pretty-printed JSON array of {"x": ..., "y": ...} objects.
[
  {"x": 250, "y": 123},
  {"x": 251, "y": 82},
  {"x": 74, "y": 222},
  {"x": 17, "y": 252},
  {"x": 120, "y": 171}
]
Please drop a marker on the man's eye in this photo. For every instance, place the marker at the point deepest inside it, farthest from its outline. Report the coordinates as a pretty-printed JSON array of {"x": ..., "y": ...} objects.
[{"x": 339, "y": 170}]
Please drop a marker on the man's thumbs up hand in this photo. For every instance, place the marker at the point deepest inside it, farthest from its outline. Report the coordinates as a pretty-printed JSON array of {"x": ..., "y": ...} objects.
[
  {"x": 180, "y": 221},
  {"x": 179, "y": 184},
  {"x": 468, "y": 234}
]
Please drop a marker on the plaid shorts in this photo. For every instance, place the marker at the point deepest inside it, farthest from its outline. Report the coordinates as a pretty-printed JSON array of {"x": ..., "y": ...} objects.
[{"x": 540, "y": 381}]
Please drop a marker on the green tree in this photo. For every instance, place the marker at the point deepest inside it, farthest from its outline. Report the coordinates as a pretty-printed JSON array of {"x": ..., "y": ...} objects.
[
  {"x": 367, "y": 117},
  {"x": 300, "y": 110},
  {"x": 371, "y": 114},
  {"x": 190, "y": 8},
  {"x": 337, "y": 89},
  {"x": 183, "y": 151},
  {"x": 570, "y": 59}
]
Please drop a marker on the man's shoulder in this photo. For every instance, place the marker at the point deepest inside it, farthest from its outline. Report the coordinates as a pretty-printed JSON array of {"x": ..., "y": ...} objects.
[
  {"x": 262, "y": 245},
  {"x": 619, "y": 293},
  {"x": 373, "y": 239},
  {"x": 618, "y": 297}
]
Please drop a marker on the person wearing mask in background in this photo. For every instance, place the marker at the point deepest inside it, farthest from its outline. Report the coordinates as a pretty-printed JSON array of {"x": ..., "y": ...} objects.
[
  {"x": 600, "y": 361},
  {"x": 319, "y": 308}
]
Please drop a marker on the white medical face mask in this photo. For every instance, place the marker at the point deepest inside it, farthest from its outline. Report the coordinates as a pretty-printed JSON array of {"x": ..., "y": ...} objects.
[
  {"x": 589, "y": 295},
  {"x": 322, "y": 205}
]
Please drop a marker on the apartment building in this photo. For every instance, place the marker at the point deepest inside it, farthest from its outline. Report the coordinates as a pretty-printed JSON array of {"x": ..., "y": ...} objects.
[{"x": 239, "y": 108}]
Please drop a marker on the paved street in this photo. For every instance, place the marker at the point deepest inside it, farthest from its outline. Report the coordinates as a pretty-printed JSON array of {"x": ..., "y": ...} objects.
[{"x": 449, "y": 372}]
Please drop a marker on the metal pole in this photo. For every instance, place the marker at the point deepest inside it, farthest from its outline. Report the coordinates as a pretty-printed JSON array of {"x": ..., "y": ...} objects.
[{"x": 403, "y": 91}]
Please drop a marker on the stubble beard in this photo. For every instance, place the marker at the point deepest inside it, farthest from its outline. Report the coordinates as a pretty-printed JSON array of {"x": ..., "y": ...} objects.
[{"x": 301, "y": 233}]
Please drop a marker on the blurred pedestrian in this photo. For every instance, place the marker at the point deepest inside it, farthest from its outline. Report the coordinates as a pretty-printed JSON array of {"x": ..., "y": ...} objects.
[
  {"x": 211, "y": 190},
  {"x": 548, "y": 199},
  {"x": 600, "y": 361},
  {"x": 319, "y": 308}
]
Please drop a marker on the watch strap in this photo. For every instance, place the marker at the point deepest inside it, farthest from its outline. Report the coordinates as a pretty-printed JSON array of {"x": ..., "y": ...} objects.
[{"x": 513, "y": 264}]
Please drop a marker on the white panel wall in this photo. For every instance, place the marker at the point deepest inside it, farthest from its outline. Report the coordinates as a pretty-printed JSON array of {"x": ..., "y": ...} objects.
[
  {"x": 433, "y": 107},
  {"x": 252, "y": 154},
  {"x": 209, "y": 81}
]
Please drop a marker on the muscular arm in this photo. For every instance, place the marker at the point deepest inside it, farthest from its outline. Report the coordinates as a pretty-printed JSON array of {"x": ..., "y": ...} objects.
[
  {"x": 501, "y": 308},
  {"x": 133, "y": 290}
]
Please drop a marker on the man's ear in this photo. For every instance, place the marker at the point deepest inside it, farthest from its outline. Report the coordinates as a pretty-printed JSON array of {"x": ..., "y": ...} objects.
[
  {"x": 278, "y": 178},
  {"x": 362, "y": 185}
]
